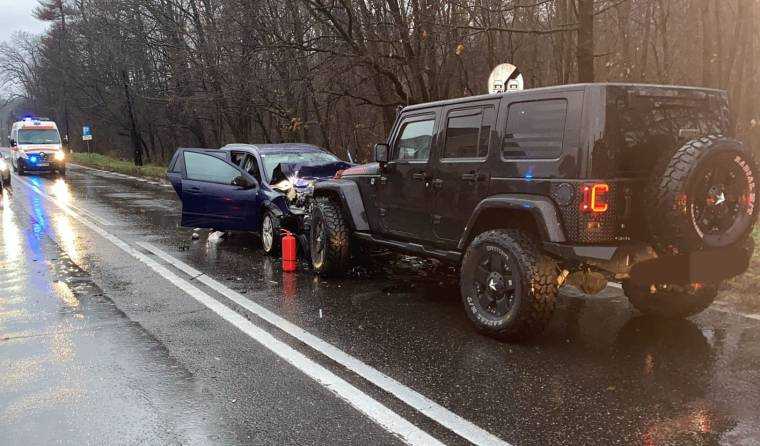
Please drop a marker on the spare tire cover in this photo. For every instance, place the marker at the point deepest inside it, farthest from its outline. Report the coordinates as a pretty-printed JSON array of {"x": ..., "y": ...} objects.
[{"x": 703, "y": 196}]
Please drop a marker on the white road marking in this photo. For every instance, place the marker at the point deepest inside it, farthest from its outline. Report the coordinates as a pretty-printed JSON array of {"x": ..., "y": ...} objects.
[
  {"x": 380, "y": 414},
  {"x": 424, "y": 405}
]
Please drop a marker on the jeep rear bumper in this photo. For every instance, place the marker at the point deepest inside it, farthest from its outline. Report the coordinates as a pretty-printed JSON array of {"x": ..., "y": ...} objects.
[{"x": 640, "y": 263}]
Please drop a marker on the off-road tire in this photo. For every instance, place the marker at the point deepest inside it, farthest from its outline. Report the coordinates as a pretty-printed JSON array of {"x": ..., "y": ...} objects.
[
  {"x": 330, "y": 230},
  {"x": 535, "y": 278},
  {"x": 671, "y": 199},
  {"x": 673, "y": 302},
  {"x": 275, "y": 247}
]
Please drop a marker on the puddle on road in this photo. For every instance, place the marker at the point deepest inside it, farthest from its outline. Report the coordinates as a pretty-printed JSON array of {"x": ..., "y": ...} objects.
[{"x": 70, "y": 354}]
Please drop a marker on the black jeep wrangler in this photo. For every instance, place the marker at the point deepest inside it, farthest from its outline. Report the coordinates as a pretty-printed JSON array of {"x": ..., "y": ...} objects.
[{"x": 524, "y": 190}]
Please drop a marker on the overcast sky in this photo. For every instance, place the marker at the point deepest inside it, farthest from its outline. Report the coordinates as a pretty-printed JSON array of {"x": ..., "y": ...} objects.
[{"x": 16, "y": 15}]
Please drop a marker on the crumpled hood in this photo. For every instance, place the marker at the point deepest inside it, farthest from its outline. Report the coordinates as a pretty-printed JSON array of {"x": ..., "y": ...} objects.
[{"x": 302, "y": 176}]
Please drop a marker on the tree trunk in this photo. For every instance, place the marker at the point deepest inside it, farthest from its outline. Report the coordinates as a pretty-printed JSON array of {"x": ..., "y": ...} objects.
[{"x": 586, "y": 40}]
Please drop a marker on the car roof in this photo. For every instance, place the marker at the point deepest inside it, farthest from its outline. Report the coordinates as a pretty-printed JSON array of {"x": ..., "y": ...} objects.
[
  {"x": 273, "y": 148},
  {"x": 552, "y": 89}
]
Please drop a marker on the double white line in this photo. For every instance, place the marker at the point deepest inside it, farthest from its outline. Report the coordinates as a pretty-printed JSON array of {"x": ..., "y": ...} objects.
[{"x": 379, "y": 413}]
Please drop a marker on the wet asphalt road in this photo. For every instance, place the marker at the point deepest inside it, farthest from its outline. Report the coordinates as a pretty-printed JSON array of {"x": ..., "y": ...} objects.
[{"x": 97, "y": 347}]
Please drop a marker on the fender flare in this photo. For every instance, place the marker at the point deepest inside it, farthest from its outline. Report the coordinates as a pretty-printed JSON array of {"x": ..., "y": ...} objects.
[
  {"x": 351, "y": 202},
  {"x": 542, "y": 209}
]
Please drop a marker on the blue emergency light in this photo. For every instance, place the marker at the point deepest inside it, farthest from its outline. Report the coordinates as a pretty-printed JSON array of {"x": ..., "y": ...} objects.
[{"x": 33, "y": 159}]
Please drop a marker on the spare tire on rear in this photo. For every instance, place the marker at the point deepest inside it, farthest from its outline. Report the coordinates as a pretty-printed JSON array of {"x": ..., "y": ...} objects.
[{"x": 702, "y": 196}]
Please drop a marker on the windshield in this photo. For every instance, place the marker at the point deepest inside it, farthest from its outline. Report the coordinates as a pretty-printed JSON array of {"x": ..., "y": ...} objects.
[
  {"x": 38, "y": 137},
  {"x": 270, "y": 161}
]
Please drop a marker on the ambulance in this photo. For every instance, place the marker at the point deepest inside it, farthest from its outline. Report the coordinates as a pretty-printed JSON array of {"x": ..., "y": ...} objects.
[{"x": 36, "y": 147}]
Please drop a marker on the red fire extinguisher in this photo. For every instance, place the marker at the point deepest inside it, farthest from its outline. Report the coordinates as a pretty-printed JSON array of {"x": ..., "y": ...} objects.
[{"x": 289, "y": 251}]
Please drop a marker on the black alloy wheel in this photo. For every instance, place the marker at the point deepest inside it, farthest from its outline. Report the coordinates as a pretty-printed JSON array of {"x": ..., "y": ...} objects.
[
  {"x": 329, "y": 238},
  {"x": 720, "y": 198},
  {"x": 508, "y": 285},
  {"x": 495, "y": 284}
]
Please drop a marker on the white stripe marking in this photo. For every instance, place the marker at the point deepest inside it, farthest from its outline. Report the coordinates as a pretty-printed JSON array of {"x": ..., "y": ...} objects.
[
  {"x": 380, "y": 414},
  {"x": 424, "y": 405}
]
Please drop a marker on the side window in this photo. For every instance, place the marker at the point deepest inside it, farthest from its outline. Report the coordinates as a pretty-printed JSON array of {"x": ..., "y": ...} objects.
[
  {"x": 468, "y": 133},
  {"x": 237, "y": 158},
  {"x": 179, "y": 165},
  {"x": 535, "y": 129},
  {"x": 414, "y": 141},
  {"x": 209, "y": 168},
  {"x": 252, "y": 167}
]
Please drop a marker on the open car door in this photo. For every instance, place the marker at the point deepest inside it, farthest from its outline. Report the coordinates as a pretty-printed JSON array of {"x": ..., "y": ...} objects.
[{"x": 214, "y": 192}]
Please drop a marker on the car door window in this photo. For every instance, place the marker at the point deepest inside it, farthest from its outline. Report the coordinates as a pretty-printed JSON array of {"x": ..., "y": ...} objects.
[
  {"x": 415, "y": 141},
  {"x": 209, "y": 168},
  {"x": 468, "y": 132},
  {"x": 251, "y": 166},
  {"x": 237, "y": 158}
]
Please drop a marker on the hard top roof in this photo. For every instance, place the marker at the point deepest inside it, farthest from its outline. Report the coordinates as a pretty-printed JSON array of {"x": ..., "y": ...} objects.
[{"x": 555, "y": 88}]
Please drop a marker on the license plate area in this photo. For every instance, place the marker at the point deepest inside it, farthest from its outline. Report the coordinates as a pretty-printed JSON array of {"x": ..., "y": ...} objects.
[{"x": 710, "y": 266}]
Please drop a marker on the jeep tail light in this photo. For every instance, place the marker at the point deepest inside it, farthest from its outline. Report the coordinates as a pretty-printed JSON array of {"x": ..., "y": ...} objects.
[{"x": 595, "y": 198}]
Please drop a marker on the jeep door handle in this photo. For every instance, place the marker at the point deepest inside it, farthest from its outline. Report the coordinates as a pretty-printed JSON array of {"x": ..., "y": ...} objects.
[
  {"x": 420, "y": 176},
  {"x": 438, "y": 183},
  {"x": 193, "y": 190},
  {"x": 473, "y": 176}
]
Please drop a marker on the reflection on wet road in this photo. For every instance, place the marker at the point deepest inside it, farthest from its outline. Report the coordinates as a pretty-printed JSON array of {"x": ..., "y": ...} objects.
[{"x": 89, "y": 333}]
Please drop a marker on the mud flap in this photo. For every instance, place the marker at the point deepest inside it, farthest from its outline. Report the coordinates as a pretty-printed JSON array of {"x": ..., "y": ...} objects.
[{"x": 710, "y": 266}]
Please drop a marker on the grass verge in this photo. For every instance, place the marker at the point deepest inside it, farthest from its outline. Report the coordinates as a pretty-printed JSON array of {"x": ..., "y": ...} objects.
[{"x": 103, "y": 162}]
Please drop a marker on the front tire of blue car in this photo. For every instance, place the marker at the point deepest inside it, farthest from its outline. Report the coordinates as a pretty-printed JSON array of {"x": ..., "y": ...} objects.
[{"x": 270, "y": 237}]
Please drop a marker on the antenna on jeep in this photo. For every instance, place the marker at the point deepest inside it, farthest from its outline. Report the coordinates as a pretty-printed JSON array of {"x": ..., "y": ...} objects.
[{"x": 505, "y": 78}]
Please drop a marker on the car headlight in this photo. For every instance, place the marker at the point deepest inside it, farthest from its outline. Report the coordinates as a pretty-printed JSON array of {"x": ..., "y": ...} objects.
[
  {"x": 59, "y": 156},
  {"x": 3, "y": 165}
]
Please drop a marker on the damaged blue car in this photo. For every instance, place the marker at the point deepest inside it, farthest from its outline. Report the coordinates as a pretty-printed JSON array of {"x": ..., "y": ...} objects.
[{"x": 261, "y": 188}]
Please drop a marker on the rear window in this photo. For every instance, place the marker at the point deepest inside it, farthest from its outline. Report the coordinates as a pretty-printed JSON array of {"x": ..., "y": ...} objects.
[
  {"x": 644, "y": 126},
  {"x": 535, "y": 129}
]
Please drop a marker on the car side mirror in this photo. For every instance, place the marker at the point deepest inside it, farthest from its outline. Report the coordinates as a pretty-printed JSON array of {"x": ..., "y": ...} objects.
[
  {"x": 12, "y": 142},
  {"x": 243, "y": 182},
  {"x": 381, "y": 153}
]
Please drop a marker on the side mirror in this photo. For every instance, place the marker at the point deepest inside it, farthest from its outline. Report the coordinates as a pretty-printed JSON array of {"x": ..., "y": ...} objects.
[
  {"x": 381, "y": 153},
  {"x": 12, "y": 142},
  {"x": 243, "y": 182}
]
